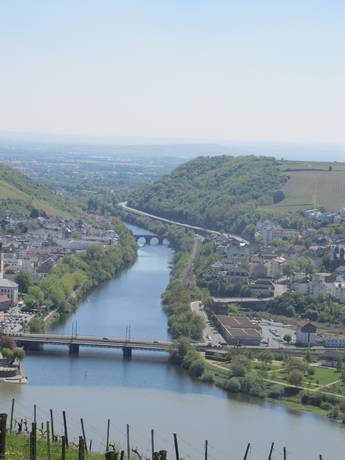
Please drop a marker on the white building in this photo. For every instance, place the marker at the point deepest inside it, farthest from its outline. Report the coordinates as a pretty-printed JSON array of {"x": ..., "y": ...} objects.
[
  {"x": 338, "y": 289},
  {"x": 9, "y": 289}
]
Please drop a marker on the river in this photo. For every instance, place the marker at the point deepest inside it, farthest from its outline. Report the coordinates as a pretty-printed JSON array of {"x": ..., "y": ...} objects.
[{"x": 148, "y": 392}]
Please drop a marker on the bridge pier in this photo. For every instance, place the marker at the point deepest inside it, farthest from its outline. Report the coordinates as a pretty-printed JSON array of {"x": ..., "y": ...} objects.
[
  {"x": 127, "y": 353},
  {"x": 73, "y": 349}
]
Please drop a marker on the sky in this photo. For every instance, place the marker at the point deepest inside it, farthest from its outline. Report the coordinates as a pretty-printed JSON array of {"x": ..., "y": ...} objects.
[{"x": 186, "y": 69}]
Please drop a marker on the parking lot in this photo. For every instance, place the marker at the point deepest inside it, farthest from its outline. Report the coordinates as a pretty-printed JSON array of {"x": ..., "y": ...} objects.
[{"x": 11, "y": 321}]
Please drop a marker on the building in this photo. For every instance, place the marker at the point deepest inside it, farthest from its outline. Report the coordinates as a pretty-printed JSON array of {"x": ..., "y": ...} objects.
[
  {"x": 239, "y": 330},
  {"x": 335, "y": 341},
  {"x": 320, "y": 284},
  {"x": 262, "y": 287},
  {"x": 7, "y": 288},
  {"x": 10, "y": 289},
  {"x": 5, "y": 302},
  {"x": 275, "y": 266},
  {"x": 306, "y": 335}
]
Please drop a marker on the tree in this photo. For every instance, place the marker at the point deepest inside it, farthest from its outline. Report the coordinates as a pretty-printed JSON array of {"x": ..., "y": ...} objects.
[
  {"x": 266, "y": 357},
  {"x": 197, "y": 368},
  {"x": 24, "y": 281},
  {"x": 307, "y": 357},
  {"x": 295, "y": 377},
  {"x": 233, "y": 308},
  {"x": 19, "y": 354},
  {"x": 287, "y": 338},
  {"x": 240, "y": 366},
  {"x": 339, "y": 364},
  {"x": 278, "y": 196},
  {"x": 36, "y": 325},
  {"x": 34, "y": 297},
  {"x": 7, "y": 342},
  {"x": 8, "y": 354},
  {"x": 290, "y": 311},
  {"x": 342, "y": 377},
  {"x": 297, "y": 364},
  {"x": 234, "y": 385}
]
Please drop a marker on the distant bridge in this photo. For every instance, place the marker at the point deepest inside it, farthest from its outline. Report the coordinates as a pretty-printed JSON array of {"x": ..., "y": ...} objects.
[
  {"x": 200, "y": 230},
  {"x": 151, "y": 238},
  {"x": 75, "y": 341}
]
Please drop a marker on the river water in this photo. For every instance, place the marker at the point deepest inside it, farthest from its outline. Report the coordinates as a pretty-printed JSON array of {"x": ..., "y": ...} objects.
[{"x": 148, "y": 392}]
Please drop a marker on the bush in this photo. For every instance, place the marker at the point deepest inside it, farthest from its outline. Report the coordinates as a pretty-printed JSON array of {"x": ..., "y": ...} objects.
[
  {"x": 334, "y": 413},
  {"x": 326, "y": 405},
  {"x": 275, "y": 392},
  {"x": 197, "y": 368},
  {"x": 295, "y": 377},
  {"x": 207, "y": 377},
  {"x": 240, "y": 365},
  {"x": 234, "y": 385},
  {"x": 278, "y": 196}
]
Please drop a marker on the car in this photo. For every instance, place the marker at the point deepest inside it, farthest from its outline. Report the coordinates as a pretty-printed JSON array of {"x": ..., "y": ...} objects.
[
  {"x": 155, "y": 341},
  {"x": 105, "y": 338}
]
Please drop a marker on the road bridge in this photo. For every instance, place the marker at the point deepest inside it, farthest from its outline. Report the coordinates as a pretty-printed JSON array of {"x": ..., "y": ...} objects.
[{"x": 73, "y": 342}]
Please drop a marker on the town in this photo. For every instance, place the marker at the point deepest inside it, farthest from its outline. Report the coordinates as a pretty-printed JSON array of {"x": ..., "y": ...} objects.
[
  {"x": 270, "y": 278},
  {"x": 35, "y": 253}
]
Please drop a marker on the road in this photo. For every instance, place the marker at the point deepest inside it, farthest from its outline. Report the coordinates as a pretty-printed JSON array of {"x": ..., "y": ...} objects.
[
  {"x": 210, "y": 333},
  {"x": 124, "y": 206}
]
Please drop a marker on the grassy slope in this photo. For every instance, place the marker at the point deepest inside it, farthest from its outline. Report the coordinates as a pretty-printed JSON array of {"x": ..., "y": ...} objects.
[
  {"x": 22, "y": 193},
  {"x": 311, "y": 184}
]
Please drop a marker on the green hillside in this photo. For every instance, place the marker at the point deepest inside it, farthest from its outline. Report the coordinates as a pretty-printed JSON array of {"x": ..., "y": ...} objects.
[
  {"x": 23, "y": 194},
  {"x": 221, "y": 192},
  {"x": 231, "y": 193}
]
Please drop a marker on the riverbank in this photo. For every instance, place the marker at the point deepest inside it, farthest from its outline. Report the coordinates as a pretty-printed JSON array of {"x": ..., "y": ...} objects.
[
  {"x": 179, "y": 293},
  {"x": 71, "y": 281}
]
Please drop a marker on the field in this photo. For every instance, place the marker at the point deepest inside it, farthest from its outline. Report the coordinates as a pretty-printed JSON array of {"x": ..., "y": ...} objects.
[
  {"x": 311, "y": 184},
  {"x": 319, "y": 380}
]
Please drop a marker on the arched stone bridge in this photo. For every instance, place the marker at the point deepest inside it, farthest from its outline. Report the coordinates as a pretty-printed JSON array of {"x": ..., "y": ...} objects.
[{"x": 148, "y": 239}]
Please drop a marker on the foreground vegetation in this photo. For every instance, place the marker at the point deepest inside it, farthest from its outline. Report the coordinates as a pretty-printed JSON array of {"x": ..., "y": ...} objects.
[{"x": 17, "y": 448}]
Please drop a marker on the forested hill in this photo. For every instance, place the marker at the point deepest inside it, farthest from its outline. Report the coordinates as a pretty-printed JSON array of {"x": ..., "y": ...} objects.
[
  {"x": 23, "y": 195},
  {"x": 221, "y": 192}
]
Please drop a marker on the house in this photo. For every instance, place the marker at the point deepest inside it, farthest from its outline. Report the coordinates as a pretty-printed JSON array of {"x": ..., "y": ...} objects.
[
  {"x": 299, "y": 282},
  {"x": 262, "y": 287},
  {"x": 320, "y": 284},
  {"x": 275, "y": 266},
  {"x": 337, "y": 289},
  {"x": 306, "y": 335},
  {"x": 239, "y": 330}
]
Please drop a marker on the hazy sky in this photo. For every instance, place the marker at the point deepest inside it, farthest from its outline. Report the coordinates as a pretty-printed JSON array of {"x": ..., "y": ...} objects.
[{"x": 247, "y": 70}]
